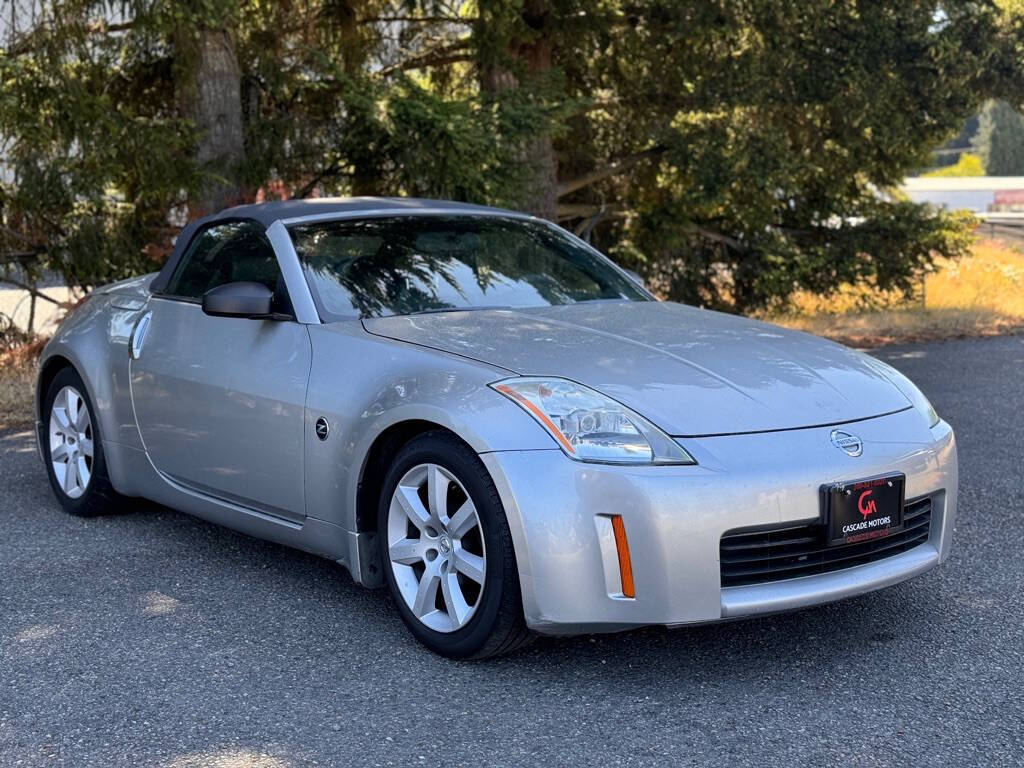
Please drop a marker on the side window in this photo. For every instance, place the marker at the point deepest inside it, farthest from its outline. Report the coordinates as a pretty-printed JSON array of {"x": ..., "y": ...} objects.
[{"x": 228, "y": 253}]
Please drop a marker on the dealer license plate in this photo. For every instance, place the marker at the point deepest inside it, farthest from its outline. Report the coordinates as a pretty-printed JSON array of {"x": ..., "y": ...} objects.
[{"x": 864, "y": 509}]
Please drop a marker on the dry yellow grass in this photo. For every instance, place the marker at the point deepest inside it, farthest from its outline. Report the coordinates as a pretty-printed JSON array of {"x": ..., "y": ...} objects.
[
  {"x": 980, "y": 295},
  {"x": 19, "y": 354},
  {"x": 17, "y": 384}
]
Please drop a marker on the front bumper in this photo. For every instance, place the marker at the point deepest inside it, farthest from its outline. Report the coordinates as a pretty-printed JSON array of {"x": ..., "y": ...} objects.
[{"x": 675, "y": 516}]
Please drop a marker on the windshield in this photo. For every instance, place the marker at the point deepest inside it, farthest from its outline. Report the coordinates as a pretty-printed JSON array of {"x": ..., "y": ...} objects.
[{"x": 406, "y": 264}]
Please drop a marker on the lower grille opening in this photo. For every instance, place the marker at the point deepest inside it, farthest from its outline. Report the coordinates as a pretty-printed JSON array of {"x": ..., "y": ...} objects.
[{"x": 776, "y": 554}]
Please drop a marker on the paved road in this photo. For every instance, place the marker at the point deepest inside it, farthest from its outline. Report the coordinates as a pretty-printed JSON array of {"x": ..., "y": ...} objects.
[{"x": 155, "y": 639}]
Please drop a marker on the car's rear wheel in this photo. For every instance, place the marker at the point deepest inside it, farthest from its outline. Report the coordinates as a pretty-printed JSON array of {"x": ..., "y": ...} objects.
[
  {"x": 447, "y": 551},
  {"x": 73, "y": 449}
]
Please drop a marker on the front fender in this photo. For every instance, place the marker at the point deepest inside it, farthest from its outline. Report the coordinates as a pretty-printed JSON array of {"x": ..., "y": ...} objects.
[
  {"x": 398, "y": 382},
  {"x": 94, "y": 339}
]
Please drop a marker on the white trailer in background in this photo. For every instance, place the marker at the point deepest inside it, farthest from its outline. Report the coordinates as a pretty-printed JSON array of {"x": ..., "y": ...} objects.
[
  {"x": 998, "y": 201},
  {"x": 978, "y": 194}
]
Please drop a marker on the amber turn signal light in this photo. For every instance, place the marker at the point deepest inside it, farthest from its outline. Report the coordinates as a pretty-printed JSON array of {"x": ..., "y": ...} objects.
[{"x": 625, "y": 564}]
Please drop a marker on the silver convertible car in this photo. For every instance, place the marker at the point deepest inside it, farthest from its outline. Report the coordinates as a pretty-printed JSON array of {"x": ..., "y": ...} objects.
[{"x": 481, "y": 412}]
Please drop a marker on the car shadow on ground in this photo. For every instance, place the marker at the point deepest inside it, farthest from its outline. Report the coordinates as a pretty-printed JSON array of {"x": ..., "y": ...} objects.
[
  {"x": 342, "y": 623},
  {"x": 17, "y": 440}
]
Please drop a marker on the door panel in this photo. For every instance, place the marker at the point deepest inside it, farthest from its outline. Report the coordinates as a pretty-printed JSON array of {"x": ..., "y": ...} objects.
[{"x": 220, "y": 401}]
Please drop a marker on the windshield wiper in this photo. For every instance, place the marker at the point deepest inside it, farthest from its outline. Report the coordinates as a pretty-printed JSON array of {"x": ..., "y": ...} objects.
[{"x": 435, "y": 310}]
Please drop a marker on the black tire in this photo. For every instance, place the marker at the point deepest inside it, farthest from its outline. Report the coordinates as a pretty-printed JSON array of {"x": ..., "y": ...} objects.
[
  {"x": 497, "y": 626},
  {"x": 99, "y": 496}
]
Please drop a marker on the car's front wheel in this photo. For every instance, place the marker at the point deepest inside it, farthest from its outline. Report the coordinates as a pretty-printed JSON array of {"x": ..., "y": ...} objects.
[
  {"x": 447, "y": 551},
  {"x": 73, "y": 449}
]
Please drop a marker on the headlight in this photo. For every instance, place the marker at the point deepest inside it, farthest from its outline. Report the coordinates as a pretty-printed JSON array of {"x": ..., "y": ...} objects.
[{"x": 591, "y": 427}]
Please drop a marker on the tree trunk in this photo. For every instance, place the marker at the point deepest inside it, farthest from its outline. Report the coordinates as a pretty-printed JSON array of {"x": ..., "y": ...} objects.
[
  {"x": 209, "y": 89},
  {"x": 532, "y": 56},
  {"x": 543, "y": 201}
]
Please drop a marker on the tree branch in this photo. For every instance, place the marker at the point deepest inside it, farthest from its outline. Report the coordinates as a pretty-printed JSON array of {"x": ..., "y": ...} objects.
[
  {"x": 469, "y": 20},
  {"x": 34, "y": 291},
  {"x": 20, "y": 257},
  {"x": 718, "y": 237},
  {"x": 332, "y": 170},
  {"x": 104, "y": 26},
  {"x": 439, "y": 56},
  {"x": 585, "y": 210},
  {"x": 613, "y": 168},
  {"x": 29, "y": 42}
]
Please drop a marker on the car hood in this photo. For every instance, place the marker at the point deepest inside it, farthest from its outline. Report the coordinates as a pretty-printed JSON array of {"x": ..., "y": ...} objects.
[{"x": 690, "y": 371}]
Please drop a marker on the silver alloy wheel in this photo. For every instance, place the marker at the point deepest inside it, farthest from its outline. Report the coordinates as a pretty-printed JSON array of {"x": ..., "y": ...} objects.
[
  {"x": 71, "y": 446},
  {"x": 435, "y": 540}
]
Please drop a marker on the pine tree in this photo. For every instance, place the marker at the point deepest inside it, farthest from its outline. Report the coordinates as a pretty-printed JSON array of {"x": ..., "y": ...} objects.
[
  {"x": 1000, "y": 139},
  {"x": 733, "y": 150}
]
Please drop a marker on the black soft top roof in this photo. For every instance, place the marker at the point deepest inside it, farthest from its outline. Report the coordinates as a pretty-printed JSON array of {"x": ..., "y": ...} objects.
[{"x": 267, "y": 213}]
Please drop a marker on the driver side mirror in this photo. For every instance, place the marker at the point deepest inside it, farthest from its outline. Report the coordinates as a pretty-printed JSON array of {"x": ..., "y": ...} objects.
[{"x": 250, "y": 300}]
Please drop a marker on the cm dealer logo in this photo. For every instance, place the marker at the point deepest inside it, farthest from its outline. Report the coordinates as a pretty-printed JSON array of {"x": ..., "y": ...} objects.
[{"x": 867, "y": 508}]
